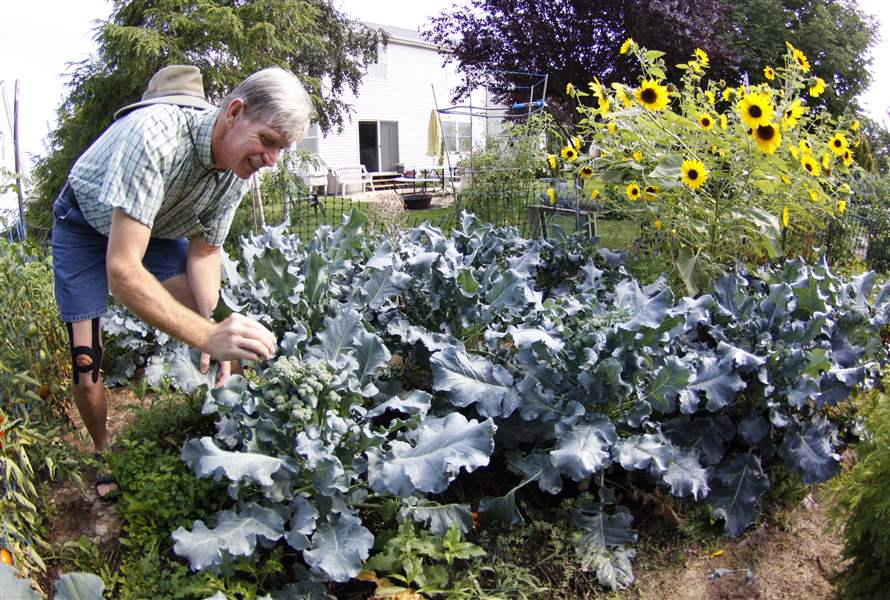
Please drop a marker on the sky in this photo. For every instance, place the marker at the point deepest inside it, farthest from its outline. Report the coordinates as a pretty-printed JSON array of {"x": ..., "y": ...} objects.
[{"x": 41, "y": 37}]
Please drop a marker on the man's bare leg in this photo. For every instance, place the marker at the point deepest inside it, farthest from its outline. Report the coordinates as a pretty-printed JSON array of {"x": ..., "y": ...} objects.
[{"x": 89, "y": 392}]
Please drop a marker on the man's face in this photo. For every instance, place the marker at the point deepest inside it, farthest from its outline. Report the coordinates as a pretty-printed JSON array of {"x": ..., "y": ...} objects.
[{"x": 247, "y": 145}]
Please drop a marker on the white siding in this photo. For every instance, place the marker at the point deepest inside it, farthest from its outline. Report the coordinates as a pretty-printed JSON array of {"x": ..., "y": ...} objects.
[{"x": 399, "y": 89}]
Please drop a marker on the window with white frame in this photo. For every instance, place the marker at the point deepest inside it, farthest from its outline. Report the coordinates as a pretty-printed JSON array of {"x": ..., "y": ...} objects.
[
  {"x": 309, "y": 143},
  {"x": 457, "y": 135}
]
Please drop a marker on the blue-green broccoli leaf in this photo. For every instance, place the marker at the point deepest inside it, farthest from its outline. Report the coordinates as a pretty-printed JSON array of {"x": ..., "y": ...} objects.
[
  {"x": 235, "y": 534},
  {"x": 807, "y": 450},
  {"x": 601, "y": 544},
  {"x": 736, "y": 488},
  {"x": 442, "y": 447},
  {"x": 438, "y": 518},
  {"x": 719, "y": 382},
  {"x": 686, "y": 476},
  {"x": 472, "y": 379},
  {"x": 12, "y": 587},
  {"x": 339, "y": 547},
  {"x": 270, "y": 473},
  {"x": 77, "y": 586},
  {"x": 585, "y": 447}
]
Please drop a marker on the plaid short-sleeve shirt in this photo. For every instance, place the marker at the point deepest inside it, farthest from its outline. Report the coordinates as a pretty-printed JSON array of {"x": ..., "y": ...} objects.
[{"x": 155, "y": 164}]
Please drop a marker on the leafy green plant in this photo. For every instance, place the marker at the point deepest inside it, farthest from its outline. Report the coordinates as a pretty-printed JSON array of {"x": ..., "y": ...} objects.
[
  {"x": 861, "y": 501},
  {"x": 545, "y": 356},
  {"x": 420, "y": 561}
]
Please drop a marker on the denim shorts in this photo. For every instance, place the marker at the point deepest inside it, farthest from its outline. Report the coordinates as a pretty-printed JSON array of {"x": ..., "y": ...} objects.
[{"x": 81, "y": 281}]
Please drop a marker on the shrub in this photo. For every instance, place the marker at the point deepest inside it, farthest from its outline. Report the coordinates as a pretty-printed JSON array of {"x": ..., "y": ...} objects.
[{"x": 862, "y": 503}]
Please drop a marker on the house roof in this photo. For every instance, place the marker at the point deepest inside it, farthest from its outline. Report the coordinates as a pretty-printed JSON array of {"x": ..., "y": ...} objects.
[{"x": 407, "y": 37}]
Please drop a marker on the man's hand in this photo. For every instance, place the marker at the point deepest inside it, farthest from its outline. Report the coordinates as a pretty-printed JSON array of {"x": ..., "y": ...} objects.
[
  {"x": 239, "y": 338},
  {"x": 224, "y": 372}
]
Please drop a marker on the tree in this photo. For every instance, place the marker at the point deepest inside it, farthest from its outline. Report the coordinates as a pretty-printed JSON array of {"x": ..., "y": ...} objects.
[
  {"x": 227, "y": 39},
  {"x": 835, "y": 35},
  {"x": 572, "y": 41}
]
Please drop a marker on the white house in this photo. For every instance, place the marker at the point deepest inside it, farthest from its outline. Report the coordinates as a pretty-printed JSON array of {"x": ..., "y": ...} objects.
[{"x": 391, "y": 112}]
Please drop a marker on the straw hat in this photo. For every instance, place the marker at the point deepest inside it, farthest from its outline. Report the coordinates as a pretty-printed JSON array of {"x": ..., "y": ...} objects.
[{"x": 174, "y": 84}]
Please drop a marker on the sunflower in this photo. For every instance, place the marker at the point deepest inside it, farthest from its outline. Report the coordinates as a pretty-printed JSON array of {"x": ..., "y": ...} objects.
[
  {"x": 805, "y": 147},
  {"x": 594, "y": 194},
  {"x": 612, "y": 127},
  {"x": 551, "y": 195},
  {"x": 551, "y": 160},
  {"x": 626, "y": 46},
  {"x": 603, "y": 106},
  {"x": 814, "y": 195},
  {"x": 810, "y": 164},
  {"x": 793, "y": 114},
  {"x": 768, "y": 137},
  {"x": 651, "y": 192},
  {"x": 855, "y": 125},
  {"x": 848, "y": 158},
  {"x": 838, "y": 144},
  {"x": 711, "y": 96},
  {"x": 786, "y": 217},
  {"x": 586, "y": 172},
  {"x": 826, "y": 161},
  {"x": 769, "y": 73},
  {"x": 755, "y": 109},
  {"x": 568, "y": 153},
  {"x": 801, "y": 59},
  {"x": 701, "y": 56},
  {"x": 727, "y": 94},
  {"x": 652, "y": 95},
  {"x": 570, "y": 89},
  {"x": 724, "y": 122},
  {"x": 658, "y": 225},
  {"x": 623, "y": 97},
  {"x": 632, "y": 191},
  {"x": 706, "y": 121},
  {"x": 694, "y": 173},
  {"x": 637, "y": 156},
  {"x": 841, "y": 207},
  {"x": 817, "y": 88},
  {"x": 576, "y": 142}
]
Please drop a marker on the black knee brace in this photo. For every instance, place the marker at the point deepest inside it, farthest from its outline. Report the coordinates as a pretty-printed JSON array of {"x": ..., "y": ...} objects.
[{"x": 94, "y": 352}]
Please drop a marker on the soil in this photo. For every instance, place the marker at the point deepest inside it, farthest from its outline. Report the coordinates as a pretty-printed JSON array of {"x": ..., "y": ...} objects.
[
  {"x": 794, "y": 556},
  {"x": 797, "y": 556}
]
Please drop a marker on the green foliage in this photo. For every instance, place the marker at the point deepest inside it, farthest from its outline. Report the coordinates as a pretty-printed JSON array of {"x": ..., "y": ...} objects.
[
  {"x": 34, "y": 391},
  {"x": 861, "y": 499},
  {"x": 421, "y": 559},
  {"x": 227, "y": 40},
  {"x": 835, "y": 34},
  {"x": 158, "y": 494},
  {"x": 711, "y": 183},
  {"x": 32, "y": 337}
]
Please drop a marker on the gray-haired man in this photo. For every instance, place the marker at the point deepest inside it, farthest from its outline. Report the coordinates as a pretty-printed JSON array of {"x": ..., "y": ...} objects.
[{"x": 146, "y": 209}]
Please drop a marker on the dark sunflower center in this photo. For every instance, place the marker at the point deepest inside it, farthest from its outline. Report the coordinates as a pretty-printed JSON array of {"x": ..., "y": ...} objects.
[
  {"x": 809, "y": 167},
  {"x": 650, "y": 190},
  {"x": 837, "y": 143},
  {"x": 649, "y": 96},
  {"x": 705, "y": 121},
  {"x": 788, "y": 113},
  {"x": 755, "y": 111},
  {"x": 766, "y": 132},
  {"x": 692, "y": 174}
]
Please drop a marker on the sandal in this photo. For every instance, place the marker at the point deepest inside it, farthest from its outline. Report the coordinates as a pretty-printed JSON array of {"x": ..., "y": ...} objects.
[{"x": 105, "y": 478}]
